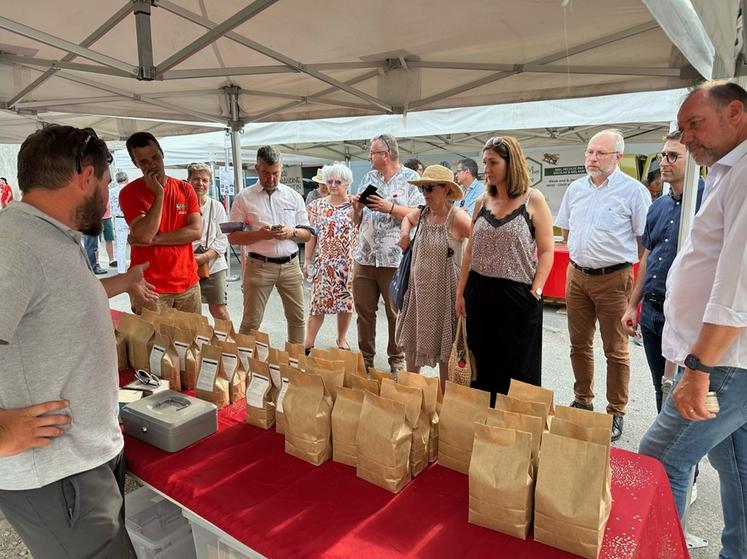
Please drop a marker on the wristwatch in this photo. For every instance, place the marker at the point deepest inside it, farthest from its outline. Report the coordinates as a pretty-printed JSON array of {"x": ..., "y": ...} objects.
[
  {"x": 538, "y": 292},
  {"x": 692, "y": 362}
]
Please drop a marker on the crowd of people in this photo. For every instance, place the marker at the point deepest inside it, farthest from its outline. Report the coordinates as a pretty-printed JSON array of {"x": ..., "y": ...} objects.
[{"x": 479, "y": 251}]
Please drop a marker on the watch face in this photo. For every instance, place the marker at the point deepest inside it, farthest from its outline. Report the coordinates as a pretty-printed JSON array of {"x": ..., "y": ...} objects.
[{"x": 691, "y": 362}]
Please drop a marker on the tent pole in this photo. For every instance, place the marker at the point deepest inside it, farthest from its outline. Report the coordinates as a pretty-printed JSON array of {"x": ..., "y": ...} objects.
[{"x": 237, "y": 125}]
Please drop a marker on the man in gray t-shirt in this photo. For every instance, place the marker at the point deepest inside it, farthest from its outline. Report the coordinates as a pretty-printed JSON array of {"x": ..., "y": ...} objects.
[{"x": 60, "y": 490}]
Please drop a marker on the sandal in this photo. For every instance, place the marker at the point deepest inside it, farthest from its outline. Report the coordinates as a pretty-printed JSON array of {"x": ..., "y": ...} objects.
[
  {"x": 307, "y": 350},
  {"x": 345, "y": 347}
]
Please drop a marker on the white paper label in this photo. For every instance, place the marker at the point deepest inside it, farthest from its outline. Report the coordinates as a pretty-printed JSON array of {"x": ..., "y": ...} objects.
[
  {"x": 275, "y": 374},
  {"x": 229, "y": 364},
  {"x": 245, "y": 353},
  {"x": 263, "y": 351},
  {"x": 255, "y": 392},
  {"x": 221, "y": 335},
  {"x": 181, "y": 350},
  {"x": 206, "y": 378},
  {"x": 156, "y": 355},
  {"x": 202, "y": 340},
  {"x": 293, "y": 362},
  {"x": 281, "y": 396}
]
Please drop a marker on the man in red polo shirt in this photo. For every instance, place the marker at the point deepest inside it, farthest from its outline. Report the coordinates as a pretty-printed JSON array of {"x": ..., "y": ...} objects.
[{"x": 164, "y": 218}]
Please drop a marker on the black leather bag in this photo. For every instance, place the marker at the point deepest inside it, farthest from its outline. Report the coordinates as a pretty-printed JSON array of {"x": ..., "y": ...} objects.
[{"x": 401, "y": 279}]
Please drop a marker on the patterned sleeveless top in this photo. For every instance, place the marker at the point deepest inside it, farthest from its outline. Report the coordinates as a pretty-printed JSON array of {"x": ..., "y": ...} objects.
[{"x": 505, "y": 247}]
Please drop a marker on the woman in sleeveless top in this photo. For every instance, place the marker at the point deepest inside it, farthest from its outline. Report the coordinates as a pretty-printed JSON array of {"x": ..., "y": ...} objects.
[
  {"x": 427, "y": 322},
  {"x": 505, "y": 266}
]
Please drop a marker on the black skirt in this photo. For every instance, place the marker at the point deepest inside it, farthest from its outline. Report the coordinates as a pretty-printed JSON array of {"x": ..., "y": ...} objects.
[{"x": 504, "y": 332}]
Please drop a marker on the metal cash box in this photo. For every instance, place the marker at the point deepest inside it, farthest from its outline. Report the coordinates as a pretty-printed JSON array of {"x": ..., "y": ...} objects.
[{"x": 170, "y": 420}]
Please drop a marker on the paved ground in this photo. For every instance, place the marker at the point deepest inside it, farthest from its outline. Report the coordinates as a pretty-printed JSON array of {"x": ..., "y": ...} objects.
[{"x": 706, "y": 519}]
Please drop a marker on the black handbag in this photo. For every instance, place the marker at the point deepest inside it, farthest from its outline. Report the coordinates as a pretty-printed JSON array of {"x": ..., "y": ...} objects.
[{"x": 401, "y": 279}]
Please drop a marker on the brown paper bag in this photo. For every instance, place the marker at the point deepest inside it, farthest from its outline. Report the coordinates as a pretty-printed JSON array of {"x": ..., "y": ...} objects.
[
  {"x": 183, "y": 342},
  {"x": 361, "y": 369},
  {"x": 530, "y": 393},
  {"x": 191, "y": 367},
  {"x": 383, "y": 440},
  {"x": 164, "y": 361},
  {"x": 212, "y": 384},
  {"x": 165, "y": 329},
  {"x": 320, "y": 353},
  {"x": 295, "y": 352},
  {"x": 121, "y": 339},
  {"x": 276, "y": 357},
  {"x": 149, "y": 315},
  {"x": 308, "y": 427},
  {"x": 572, "y": 496},
  {"x": 333, "y": 379},
  {"x": 261, "y": 344},
  {"x": 520, "y": 422},
  {"x": 345, "y": 416},
  {"x": 431, "y": 387},
  {"x": 350, "y": 360},
  {"x": 416, "y": 417},
  {"x": 139, "y": 334},
  {"x": 378, "y": 375},
  {"x": 224, "y": 331},
  {"x": 501, "y": 480},
  {"x": 286, "y": 374},
  {"x": 462, "y": 407},
  {"x": 367, "y": 385},
  {"x": 260, "y": 409},
  {"x": 245, "y": 345},
  {"x": 536, "y": 409},
  {"x": 235, "y": 372},
  {"x": 204, "y": 336},
  {"x": 585, "y": 418}
]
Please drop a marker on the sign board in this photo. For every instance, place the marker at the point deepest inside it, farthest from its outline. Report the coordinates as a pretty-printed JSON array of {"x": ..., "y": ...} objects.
[
  {"x": 292, "y": 178},
  {"x": 226, "y": 181}
]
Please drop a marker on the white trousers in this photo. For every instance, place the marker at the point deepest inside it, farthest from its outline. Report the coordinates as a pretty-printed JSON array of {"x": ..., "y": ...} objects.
[{"x": 121, "y": 231}]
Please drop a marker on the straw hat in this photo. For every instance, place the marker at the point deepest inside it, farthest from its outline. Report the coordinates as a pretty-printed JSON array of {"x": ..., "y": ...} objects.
[
  {"x": 318, "y": 177},
  {"x": 438, "y": 174}
]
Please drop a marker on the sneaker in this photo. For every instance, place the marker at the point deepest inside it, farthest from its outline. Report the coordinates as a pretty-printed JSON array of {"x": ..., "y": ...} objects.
[
  {"x": 113, "y": 264},
  {"x": 99, "y": 271},
  {"x": 617, "y": 427},
  {"x": 581, "y": 405}
]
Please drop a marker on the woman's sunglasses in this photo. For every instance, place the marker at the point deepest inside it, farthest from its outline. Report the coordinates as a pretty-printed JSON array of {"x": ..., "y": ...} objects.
[{"x": 430, "y": 187}]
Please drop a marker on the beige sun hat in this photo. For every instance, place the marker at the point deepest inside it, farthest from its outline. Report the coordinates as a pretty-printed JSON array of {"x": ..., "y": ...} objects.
[
  {"x": 438, "y": 174},
  {"x": 318, "y": 177}
]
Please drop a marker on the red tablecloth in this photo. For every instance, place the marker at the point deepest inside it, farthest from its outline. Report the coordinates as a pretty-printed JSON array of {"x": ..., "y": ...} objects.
[{"x": 241, "y": 480}]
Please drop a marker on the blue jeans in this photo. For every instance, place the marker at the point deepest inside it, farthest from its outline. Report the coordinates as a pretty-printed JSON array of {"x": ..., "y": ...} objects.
[
  {"x": 652, "y": 325},
  {"x": 680, "y": 444},
  {"x": 91, "y": 245}
]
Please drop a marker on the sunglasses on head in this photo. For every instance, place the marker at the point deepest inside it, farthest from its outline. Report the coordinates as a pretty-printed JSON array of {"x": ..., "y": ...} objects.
[
  {"x": 80, "y": 152},
  {"x": 494, "y": 142},
  {"x": 430, "y": 187}
]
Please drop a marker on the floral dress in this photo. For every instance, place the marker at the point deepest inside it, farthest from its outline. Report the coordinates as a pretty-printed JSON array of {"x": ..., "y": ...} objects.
[{"x": 332, "y": 284}]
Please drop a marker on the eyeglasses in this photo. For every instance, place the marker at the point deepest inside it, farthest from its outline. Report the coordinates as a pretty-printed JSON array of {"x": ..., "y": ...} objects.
[
  {"x": 148, "y": 379},
  {"x": 430, "y": 187},
  {"x": 593, "y": 153},
  {"x": 335, "y": 182},
  {"x": 670, "y": 156},
  {"x": 381, "y": 138},
  {"x": 80, "y": 153},
  {"x": 494, "y": 142}
]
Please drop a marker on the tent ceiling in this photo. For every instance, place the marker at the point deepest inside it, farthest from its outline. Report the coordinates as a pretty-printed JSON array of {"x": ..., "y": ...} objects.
[{"x": 293, "y": 60}]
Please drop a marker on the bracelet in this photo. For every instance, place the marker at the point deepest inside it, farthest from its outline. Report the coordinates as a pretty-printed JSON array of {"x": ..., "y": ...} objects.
[{"x": 390, "y": 211}]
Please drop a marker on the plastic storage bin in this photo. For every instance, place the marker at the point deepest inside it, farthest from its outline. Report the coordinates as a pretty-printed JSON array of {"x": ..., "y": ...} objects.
[
  {"x": 156, "y": 527},
  {"x": 213, "y": 543}
]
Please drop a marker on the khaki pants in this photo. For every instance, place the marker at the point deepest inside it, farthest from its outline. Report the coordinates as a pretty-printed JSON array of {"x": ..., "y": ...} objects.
[
  {"x": 369, "y": 283},
  {"x": 604, "y": 298},
  {"x": 259, "y": 280},
  {"x": 187, "y": 301}
]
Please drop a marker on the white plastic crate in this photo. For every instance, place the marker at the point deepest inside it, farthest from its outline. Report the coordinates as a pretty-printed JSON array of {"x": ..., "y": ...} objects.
[
  {"x": 156, "y": 527},
  {"x": 213, "y": 543}
]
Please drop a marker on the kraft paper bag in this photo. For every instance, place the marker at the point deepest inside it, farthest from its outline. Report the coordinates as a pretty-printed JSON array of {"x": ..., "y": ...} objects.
[
  {"x": 378, "y": 375},
  {"x": 350, "y": 361},
  {"x": 164, "y": 361},
  {"x": 367, "y": 385},
  {"x": 191, "y": 366},
  {"x": 165, "y": 329},
  {"x": 431, "y": 388},
  {"x": 333, "y": 379},
  {"x": 536, "y": 409},
  {"x": 320, "y": 353},
  {"x": 323, "y": 363},
  {"x": 520, "y": 422},
  {"x": 572, "y": 496},
  {"x": 150, "y": 315},
  {"x": 224, "y": 330},
  {"x": 245, "y": 345},
  {"x": 287, "y": 372},
  {"x": 276, "y": 357},
  {"x": 121, "y": 340},
  {"x": 212, "y": 384},
  {"x": 501, "y": 480},
  {"x": 261, "y": 344},
  {"x": 461, "y": 408},
  {"x": 361, "y": 370},
  {"x": 530, "y": 393},
  {"x": 205, "y": 335},
  {"x": 235, "y": 371},
  {"x": 308, "y": 424},
  {"x": 417, "y": 419},
  {"x": 186, "y": 324},
  {"x": 295, "y": 352},
  {"x": 183, "y": 342},
  {"x": 139, "y": 334},
  {"x": 260, "y": 409},
  {"x": 585, "y": 418},
  {"x": 345, "y": 416},
  {"x": 383, "y": 440}
]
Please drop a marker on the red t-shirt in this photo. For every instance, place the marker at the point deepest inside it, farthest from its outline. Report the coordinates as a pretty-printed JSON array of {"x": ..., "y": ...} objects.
[{"x": 172, "y": 268}]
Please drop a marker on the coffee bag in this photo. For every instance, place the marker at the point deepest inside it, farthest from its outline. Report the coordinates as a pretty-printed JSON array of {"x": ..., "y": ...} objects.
[
  {"x": 416, "y": 417},
  {"x": 212, "y": 384},
  {"x": 462, "y": 407},
  {"x": 345, "y": 416},
  {"x": 260, "y": 410},
  {"x": 308, "y": 410}
]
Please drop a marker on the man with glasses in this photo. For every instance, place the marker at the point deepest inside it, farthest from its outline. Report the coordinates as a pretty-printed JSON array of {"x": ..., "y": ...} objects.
[
  {"x": 660, "y": 248},
  {"x": 603, "y": 216},
  {"x": 62, "y": 494},
  {"x": 466, "y": 176},
  {"x": 164, "y": 219},
  {"x": 378, "y": 255}
]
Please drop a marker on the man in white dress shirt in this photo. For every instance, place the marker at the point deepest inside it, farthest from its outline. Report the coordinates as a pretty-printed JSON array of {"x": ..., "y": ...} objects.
[
  {"x": 603, "y": 216},
  {"x": 274, "y": 213},
  {"x": 706, "y": 315}
]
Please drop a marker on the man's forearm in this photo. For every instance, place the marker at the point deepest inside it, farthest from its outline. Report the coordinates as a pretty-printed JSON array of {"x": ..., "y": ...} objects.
[
  {"x": 637, "y": 294},
  {"x": 181, "y": 236},
  {"x": 246, "y": 237},
  {"x": 713, "y": 341},
  {"x": 146, "y": 229},
  {"x": 115, "y": 285}
]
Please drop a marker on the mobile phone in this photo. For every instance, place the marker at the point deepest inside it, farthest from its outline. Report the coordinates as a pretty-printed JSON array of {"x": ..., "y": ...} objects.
[
  {"x": 370, "y": 190},
  {"x": 276, "y": 227}
]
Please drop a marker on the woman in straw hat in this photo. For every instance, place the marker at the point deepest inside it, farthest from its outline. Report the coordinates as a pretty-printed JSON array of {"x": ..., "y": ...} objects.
[
  {"x": 426, "y": 323},
  {"x": 321, "y": 189},
  {"x": 504, "y": 269}
]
